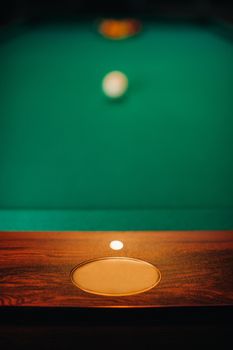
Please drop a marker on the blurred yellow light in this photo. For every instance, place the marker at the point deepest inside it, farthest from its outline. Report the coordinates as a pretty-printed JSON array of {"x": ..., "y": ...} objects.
[{"x": 116, "y": 245}]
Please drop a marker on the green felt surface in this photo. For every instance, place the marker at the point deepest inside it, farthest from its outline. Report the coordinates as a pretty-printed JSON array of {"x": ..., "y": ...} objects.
[{"x": 159, "y": 158}]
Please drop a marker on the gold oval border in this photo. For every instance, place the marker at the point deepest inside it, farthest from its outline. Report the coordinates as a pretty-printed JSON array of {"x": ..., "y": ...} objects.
[{"x": 115, "y": 258}]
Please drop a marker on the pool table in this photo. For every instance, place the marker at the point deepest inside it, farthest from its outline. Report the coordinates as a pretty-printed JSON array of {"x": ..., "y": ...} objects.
[{"x": 153, "y": 169}]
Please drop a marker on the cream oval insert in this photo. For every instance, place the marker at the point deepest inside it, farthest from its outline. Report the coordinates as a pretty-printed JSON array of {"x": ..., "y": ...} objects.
[{"x": 116, "y": 276}]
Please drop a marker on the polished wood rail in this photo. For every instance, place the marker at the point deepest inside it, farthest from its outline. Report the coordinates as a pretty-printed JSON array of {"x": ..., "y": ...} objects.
[{"x": 196, "y": 267}]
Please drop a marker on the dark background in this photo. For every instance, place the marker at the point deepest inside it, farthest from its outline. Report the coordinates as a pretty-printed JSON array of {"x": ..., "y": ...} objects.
[
  {"x": 116, "y": 329},
  {"x": 11, "y": 9}
]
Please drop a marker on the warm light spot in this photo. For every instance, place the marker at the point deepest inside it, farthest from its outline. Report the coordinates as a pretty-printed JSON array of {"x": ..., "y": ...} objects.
[{"x": 116, "y": 245}]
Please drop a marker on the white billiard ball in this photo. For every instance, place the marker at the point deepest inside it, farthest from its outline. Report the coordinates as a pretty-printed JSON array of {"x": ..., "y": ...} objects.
[{"x": 115, "y": 84}]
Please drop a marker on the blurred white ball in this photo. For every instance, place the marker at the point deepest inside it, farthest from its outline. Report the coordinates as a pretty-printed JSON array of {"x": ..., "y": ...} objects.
[{"x": 115, "y": 84}]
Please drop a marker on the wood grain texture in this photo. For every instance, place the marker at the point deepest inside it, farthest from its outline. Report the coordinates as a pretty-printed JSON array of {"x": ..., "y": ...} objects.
[{"x": 196, "y": 267}]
